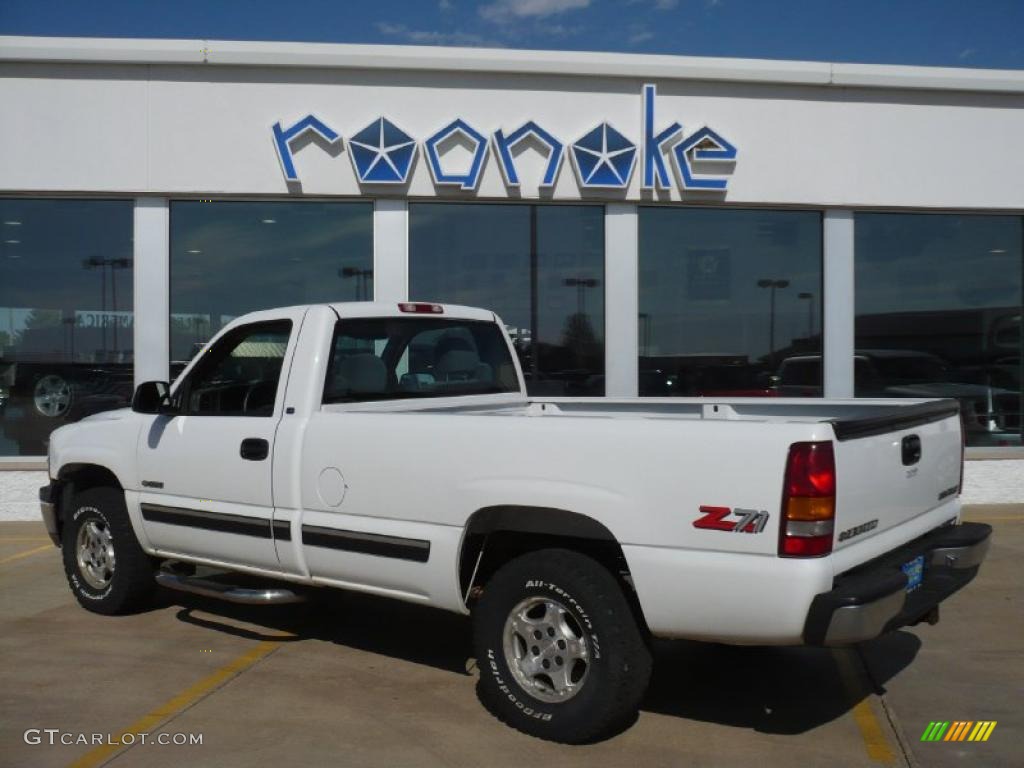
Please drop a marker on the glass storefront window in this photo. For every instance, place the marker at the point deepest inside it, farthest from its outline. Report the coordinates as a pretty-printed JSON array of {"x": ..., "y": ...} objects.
[
  {"x": 66, "y": 339},
  {"x": 539, "y": 267},
  {"x": 938, "y": 314},
  {"x": 730, "y": 302},
  {"x": 232, "y": 257}
]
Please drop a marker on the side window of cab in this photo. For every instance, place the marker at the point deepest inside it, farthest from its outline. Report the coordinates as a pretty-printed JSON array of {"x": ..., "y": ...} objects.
[{"x": 239, "y": 375}]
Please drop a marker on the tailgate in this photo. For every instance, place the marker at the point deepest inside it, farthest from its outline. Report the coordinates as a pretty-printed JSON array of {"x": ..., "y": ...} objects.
[{"x": 892, "y": 464}]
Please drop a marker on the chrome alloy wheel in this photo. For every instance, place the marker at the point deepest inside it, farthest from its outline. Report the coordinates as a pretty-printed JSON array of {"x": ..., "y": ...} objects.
[
  {"x": 546, "y": 649},
  {"x": 52, "y": 395},
  {"x": 95, "y": 552}
]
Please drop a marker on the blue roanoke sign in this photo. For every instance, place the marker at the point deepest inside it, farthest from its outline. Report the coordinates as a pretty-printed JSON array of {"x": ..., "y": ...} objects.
[{"x": 603, "y": 158}]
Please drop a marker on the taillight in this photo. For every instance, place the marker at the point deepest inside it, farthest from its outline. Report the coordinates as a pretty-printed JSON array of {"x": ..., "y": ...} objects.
[
  {"x": 420, "y": 308},
  {"x": 808, "y": 501}
]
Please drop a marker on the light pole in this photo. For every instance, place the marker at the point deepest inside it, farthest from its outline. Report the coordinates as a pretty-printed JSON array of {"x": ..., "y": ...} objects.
[
  {"x": 772, "y": 284},
  {"x": 581, "y": 284},
  {"x": 809, "y": 297},
  {"x": 362, "y": 280}
]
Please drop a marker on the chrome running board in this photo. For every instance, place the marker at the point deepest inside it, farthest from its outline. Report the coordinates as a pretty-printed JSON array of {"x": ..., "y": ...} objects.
[{"x": 228, "y": 592}]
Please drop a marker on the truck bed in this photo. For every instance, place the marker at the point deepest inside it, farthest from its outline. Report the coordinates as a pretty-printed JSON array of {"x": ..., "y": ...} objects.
[{"x": 849, "y": 418}]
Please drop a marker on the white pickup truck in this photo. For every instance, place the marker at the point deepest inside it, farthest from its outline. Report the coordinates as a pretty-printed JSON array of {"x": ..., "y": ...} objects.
[{"x": 392, "y": 449}]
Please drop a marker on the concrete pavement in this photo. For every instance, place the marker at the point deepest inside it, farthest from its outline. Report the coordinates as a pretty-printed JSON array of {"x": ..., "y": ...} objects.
[{"x": 352, "y": 680}]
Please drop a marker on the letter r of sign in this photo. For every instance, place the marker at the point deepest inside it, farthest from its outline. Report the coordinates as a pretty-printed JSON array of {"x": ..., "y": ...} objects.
[{"x": 283, "y": 138}]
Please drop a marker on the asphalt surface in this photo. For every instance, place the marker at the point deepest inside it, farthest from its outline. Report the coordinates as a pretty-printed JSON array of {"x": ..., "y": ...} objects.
[{"x": 352, "y": 680}]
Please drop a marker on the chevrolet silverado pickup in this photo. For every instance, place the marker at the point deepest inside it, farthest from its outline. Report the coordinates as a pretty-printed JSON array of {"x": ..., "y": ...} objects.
[{"x": 393, "y": 449}]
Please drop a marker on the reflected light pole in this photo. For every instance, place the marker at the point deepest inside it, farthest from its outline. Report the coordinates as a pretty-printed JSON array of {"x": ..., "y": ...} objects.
[
  {"x": 362, "y": 276},
  {"x": 581, "y": 284},
  {"x": 116, "y": 264},
  {"x": 95, "y": 262},
  {"x": 772, "y": 284},
  {"x": 809, "y": 297},
  {"x": 645, "y": 333},
  {"x": 69, "y": 335}
]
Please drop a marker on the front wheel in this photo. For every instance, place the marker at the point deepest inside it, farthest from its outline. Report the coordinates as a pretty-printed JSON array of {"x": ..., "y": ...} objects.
[
  {"x": 107, "y": 569},
  {"x": 559, "y": 651}
]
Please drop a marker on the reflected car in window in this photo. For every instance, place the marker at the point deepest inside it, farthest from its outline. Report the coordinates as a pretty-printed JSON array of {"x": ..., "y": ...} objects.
[
  {"x": 704, "y": 375},
  {"x": 991, "y": 414},
  {"x": 47, "y": 384}
]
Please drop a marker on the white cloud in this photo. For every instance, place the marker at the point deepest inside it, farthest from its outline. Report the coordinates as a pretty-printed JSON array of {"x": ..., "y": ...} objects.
[
  {"x": 658, "y": 5},
  {"x": 435, "y": 37},
  {"x": 445, "y": 5},
  {"x": 638, "y": 33},
  {"x": 966, "y": 53},
  {"x": 504, "y": 10}
]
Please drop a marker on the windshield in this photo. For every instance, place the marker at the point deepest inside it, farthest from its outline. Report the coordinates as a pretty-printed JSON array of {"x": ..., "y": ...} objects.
[{"x": 395, "y": 358}]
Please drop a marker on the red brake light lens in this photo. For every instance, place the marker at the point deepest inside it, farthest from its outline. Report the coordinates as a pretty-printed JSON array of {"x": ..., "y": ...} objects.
[
  {"x": 811, "y": 471},
  {"x": 421, "y": 308}
]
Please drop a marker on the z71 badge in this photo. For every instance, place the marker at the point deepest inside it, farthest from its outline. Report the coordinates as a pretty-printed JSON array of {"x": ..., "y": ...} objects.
[{"x": 718, "y": 519}]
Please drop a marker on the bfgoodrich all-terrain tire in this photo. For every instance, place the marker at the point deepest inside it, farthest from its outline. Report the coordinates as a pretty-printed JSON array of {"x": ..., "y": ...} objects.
[
  {"x": 106, "y": 568},
  {"x": 559, "y": 651}
]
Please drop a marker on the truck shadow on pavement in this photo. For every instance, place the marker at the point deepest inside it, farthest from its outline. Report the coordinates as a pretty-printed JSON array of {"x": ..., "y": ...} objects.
[{"x": 780, "y": 690}]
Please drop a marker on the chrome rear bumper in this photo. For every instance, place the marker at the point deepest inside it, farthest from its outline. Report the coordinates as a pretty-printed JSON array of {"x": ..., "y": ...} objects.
[{"x": 873, "y": 598}]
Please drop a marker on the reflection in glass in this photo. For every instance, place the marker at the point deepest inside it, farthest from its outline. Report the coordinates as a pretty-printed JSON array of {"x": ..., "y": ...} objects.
[
  {"x": 229, "y": 258},
  {"x": 66, "y": 344},
  {"x": 540, "y": 268},
  {"x": 938, "y": 314},
  {"x": 730, "y": 302}
]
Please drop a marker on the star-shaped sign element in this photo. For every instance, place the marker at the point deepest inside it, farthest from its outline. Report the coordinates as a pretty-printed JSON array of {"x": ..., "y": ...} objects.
[
  {"x": 604, "y": 158},
  {"x": 382, "y": 153}
]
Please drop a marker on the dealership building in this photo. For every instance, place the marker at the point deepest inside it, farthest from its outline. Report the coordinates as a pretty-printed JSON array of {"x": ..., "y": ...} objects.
[{"x": 644, "y": 225}]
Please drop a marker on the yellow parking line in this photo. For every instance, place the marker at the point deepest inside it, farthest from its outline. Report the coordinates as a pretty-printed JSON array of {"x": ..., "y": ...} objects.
[
  {"x": 29, "y": 553},
  {"x": 5, "y": 539},
  {"x": 182, "y": 701},
  {"x": 876, "y": 743}
]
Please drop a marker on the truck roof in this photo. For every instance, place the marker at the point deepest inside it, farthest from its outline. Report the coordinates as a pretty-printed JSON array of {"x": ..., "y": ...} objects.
[{"x": 393, "y": 309}]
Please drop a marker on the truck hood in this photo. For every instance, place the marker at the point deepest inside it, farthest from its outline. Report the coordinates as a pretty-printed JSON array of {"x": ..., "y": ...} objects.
[{"x": 116, "y": 415}]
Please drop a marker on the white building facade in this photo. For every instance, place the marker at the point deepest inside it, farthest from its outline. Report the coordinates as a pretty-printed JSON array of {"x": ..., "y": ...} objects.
[{"x": 645, "y": 225}]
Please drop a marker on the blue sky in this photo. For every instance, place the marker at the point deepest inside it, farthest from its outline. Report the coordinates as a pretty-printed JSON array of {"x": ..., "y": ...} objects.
[{"x": 970, "y": 33}]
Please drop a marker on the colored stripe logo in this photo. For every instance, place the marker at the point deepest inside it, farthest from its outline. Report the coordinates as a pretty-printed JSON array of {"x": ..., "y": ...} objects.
[{"x": 959, "y": 730}]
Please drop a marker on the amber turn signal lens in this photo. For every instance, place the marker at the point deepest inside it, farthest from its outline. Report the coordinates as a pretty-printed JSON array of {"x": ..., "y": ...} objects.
[{"x": 810, "y": 508}]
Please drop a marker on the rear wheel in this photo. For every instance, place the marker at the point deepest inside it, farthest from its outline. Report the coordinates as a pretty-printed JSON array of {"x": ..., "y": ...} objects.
[
  {"x": 106, "y": 567},
  {"x": 559, "y": 651}
]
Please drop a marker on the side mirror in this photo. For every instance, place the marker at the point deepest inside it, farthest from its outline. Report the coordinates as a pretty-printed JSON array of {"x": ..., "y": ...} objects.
[{"x": 153, "y": 397}]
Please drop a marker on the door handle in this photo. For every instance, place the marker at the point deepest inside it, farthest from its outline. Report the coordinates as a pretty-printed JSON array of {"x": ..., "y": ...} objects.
[{"x": 254, "y": 449}]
